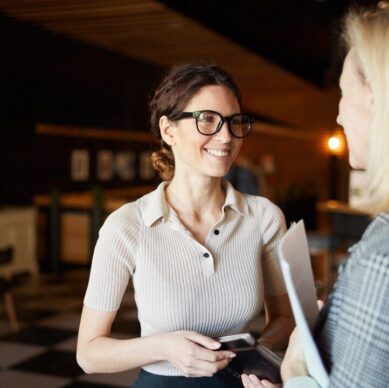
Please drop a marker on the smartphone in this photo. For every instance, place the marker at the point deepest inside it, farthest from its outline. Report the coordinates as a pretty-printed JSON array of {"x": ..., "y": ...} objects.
[
  {"x": 236, "y": 342},
  {"x": 252, "y": 358}
]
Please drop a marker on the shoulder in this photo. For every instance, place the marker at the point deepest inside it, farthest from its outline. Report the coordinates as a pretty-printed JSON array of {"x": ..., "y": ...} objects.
[
  {"x": 267, "y": 214},
  {"x": 263, "y": 207},
  {"x": 126, "y": 218},
  {"x": 369, "y": 260},
  {"x": 376, "y": 239},
  {"x": 380, "y": 241}
]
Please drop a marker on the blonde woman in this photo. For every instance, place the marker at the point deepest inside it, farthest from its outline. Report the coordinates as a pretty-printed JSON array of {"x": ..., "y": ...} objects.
[{"x": 353, "y": 327}]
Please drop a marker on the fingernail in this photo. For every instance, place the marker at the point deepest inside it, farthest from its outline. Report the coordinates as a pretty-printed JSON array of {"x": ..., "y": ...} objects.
[
  {"x": 232, "y": 355},
  {"x": 216, "y": 345}
]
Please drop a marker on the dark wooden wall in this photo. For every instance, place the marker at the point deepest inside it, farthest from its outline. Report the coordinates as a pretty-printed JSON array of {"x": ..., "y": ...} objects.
[{"x": 48, "y": 78}]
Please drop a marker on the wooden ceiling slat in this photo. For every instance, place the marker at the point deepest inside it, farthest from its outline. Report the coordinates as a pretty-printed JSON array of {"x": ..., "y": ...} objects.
[
  {"x": 150, "y": 31},
  {"x": 24, "y": 7},
  {"x": 127, "y": 33},
  {"x": 97, "y": 18},
  {"x": 82, "y": 3},
  {"x": 138, "y": 40},
  {"x": 110, "y": 21},
  {"x": 120, "y": 12}
]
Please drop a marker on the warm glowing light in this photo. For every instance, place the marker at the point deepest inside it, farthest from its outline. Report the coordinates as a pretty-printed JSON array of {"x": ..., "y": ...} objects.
[{"x": 334, "y": 143}]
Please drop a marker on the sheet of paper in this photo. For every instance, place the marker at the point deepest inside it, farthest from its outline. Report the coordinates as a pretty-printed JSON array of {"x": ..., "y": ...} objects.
[
  {"x": 312, "y": 357},
  {"x": 295, "y": 251},
  {"x": 294, "y": 255}
]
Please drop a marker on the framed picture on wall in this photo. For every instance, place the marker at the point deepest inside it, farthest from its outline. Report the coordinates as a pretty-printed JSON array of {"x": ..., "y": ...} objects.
[
  {"x": 105, "y": 165},
  {"x": 79, "y": 165},
  {"x": 125, "y": 165},
  {"x": 146, "y": 170}
]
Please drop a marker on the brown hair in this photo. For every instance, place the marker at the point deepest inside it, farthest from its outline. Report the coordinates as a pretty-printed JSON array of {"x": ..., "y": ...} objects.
[{"x": 173, "y": 94}]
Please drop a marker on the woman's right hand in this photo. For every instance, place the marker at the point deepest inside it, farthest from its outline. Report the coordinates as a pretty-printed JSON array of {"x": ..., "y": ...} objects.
[
  {"x": 194, "y": 354},
  {"x": 252, "y": 381}
]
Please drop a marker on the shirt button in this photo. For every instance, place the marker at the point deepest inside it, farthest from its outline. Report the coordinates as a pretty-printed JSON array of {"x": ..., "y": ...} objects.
[
  {"x": 216, "y": 231},
  {"x": 206, "y": 254}
]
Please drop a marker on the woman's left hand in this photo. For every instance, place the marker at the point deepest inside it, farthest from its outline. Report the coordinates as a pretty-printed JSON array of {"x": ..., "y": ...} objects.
[
  {"x": 252, "y": 381},
  {"x": 293, "y": 363}
]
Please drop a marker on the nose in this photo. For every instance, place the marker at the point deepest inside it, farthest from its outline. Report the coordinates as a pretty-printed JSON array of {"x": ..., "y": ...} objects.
[
  {"x": 339, "y": 119},
  {"x": 224, "y": 134},
  {"x": 339, "y": 116}
]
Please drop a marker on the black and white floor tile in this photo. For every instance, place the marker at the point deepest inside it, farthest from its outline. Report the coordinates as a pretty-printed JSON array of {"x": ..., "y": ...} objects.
[{"x": 42, "y": 353}]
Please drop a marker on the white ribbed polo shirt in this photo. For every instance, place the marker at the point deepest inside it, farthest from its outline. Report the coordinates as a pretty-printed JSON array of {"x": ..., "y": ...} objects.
[{"x": 215, "y": 289}]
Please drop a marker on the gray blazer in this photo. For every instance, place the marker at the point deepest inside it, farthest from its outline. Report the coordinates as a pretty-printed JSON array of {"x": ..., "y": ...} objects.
[{"x": 353, "y": 335}]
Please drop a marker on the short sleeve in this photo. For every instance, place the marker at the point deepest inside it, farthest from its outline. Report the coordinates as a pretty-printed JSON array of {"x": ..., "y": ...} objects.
[
  {"x": 113, "y": 259},
  {"x": 273, "y": 227}
]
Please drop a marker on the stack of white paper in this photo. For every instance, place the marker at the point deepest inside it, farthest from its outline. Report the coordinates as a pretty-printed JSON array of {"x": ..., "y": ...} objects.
[{"x": 299, "y": 281}]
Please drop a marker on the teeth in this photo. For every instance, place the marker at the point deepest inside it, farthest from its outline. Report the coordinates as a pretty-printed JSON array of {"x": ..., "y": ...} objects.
[{"x": 219, "y": 153}]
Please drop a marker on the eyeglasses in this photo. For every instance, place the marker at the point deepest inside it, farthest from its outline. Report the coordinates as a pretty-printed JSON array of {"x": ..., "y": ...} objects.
[{"x": 209, "y": 122}]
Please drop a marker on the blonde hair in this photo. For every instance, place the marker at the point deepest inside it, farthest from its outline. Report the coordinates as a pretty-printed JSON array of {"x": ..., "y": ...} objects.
[{"x": 366, "y": 33}]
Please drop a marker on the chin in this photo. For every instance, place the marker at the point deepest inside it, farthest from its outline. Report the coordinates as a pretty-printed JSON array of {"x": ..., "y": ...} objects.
[
  {"x": 356, "y": 164},
  {"x": 221, "y": 175},
  {"x": 219, "y": 172}
]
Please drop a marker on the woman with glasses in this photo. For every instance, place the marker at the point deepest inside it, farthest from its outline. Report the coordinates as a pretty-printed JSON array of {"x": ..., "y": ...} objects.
[
  {"x": 202, "y": 256},
  {"x": 353, "y": 326}
]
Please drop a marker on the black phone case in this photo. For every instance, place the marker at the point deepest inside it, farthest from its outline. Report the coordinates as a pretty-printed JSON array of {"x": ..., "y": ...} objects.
[{"x": 251, "y": 359}]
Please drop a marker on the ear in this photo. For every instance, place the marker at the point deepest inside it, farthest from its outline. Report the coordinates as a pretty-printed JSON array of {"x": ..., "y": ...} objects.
[{"x": 168, "y": 130}]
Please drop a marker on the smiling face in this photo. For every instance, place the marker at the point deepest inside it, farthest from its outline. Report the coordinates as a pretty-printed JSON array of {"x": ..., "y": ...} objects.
[
  {"x": 198, "y": 154},
  {"x": 355, "y": 114}
]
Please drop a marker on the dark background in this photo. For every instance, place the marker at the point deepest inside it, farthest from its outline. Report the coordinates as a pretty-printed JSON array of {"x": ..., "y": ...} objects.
[{"x": 49, "y": 78}]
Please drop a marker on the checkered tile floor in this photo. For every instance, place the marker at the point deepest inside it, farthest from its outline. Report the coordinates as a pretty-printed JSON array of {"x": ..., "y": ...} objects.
[{"x": 42, "y": 353}]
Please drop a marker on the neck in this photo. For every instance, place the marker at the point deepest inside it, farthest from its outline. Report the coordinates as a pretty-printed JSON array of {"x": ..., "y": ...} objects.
[{"x": 195, "y": 196}]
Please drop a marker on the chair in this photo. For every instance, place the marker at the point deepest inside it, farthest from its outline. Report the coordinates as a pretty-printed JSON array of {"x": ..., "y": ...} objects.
[{"x": 6, "y": 285}]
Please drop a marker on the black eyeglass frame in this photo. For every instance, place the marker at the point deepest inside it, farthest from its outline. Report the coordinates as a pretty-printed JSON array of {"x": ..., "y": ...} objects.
[{"x": 223, "y": 119}]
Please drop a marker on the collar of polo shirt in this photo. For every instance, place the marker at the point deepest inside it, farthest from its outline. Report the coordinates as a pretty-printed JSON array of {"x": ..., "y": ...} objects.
[{"x": 155, "y": 207}]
